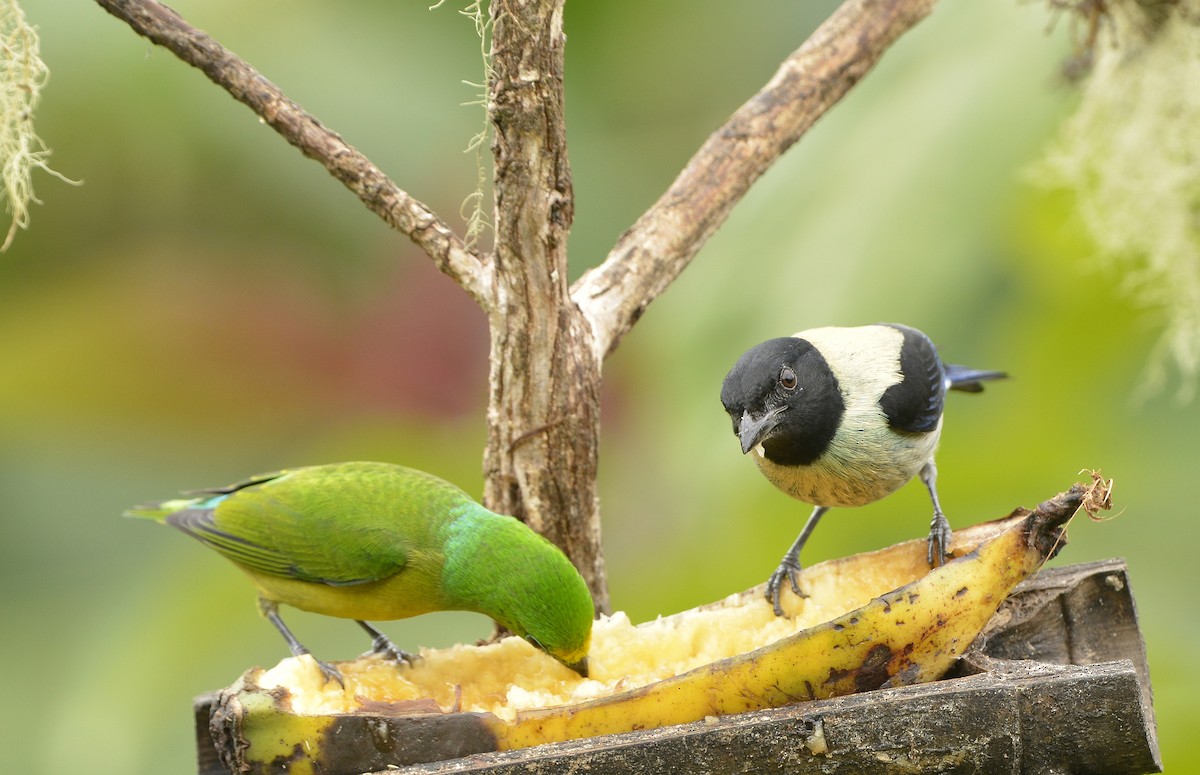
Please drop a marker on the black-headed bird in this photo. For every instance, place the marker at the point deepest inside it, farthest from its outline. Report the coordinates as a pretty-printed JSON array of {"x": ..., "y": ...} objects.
[{"x": 843, "y": 417}]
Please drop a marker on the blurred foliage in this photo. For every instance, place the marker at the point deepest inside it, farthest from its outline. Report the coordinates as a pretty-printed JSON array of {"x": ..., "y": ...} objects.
[
  {"x": 1131, "y": 155},
  {"x": 210, "y": 304}
]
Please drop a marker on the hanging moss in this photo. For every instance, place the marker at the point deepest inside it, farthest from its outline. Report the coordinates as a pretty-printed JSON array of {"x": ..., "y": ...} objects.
[
  {"x": 22, "y": 76},
  {"x": 1131, "y": 155}
]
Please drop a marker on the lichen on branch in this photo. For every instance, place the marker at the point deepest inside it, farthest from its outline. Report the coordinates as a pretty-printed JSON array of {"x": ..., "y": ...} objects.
[{"x": 23, "y": 74}]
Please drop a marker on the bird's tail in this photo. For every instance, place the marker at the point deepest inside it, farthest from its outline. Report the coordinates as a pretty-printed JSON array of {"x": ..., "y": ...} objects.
[
  {"x": 160, "y": 510},
  {"x": 969, "y": 380}
]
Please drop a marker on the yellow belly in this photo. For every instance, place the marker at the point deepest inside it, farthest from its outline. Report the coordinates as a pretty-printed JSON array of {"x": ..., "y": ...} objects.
[
  {"x": 410, "y": 592},
  {"x": 860, "y": 467}
]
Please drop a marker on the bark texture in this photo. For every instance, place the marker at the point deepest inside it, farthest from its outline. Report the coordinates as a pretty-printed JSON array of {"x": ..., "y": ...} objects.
[{"x": 544, "y": 404}]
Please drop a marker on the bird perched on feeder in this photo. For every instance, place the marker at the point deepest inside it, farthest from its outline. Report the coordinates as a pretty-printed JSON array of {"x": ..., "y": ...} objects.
[
  {"x": 843, "y": 417},
  {"x": 379, "y": 541}
]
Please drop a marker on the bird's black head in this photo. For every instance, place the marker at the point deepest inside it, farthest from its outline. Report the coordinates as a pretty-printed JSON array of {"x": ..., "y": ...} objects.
[{"x": 783, "y": 395}]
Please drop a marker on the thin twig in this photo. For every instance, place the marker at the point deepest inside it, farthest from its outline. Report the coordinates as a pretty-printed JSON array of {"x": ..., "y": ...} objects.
[
  {"x": 163, "y": 26},
  {"x": 652, "y": 253}
]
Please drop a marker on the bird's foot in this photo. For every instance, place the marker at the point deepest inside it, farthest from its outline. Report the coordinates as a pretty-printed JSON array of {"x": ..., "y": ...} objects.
[
  {"x": 940, "y": 536},
  {"x": 330, "y": 672},
  {"x": 383, "y": 646},
  {"x": 788, "y": 569},
  {"x": 270, "y": 609}
]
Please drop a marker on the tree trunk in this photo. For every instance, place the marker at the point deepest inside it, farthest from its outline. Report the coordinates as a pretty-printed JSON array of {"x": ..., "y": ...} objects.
[{"x": 544, "y": 404}]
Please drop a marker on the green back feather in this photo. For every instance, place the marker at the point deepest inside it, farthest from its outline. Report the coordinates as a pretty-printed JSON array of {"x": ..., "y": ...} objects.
[{"x": 345, "y": 523}]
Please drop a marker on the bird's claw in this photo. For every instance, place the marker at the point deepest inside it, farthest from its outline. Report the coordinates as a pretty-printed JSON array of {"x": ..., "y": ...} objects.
[
  {"x": 940, "y": 536},
  {"x": 330, "y": 672},
  {"x": 384, "y": 647},
  {"x": 789, "y": 569}
]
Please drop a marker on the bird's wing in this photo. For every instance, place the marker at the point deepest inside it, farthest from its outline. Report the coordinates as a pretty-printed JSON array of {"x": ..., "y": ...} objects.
[
  {"x": 914, "y": 404},
  {"x": 201, "y": 525},
  {"x": 299, "y": 530}
]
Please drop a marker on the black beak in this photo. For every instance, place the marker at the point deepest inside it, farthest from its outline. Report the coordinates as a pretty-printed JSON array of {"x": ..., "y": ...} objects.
[{"x": 752, "y": 429}]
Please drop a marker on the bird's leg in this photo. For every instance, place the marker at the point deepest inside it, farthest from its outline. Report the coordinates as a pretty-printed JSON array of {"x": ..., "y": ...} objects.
[
  {"x": 270, "y": 610},
  {"x": 939, "y": 529},
  {"x": 789, "y": 566},
  {"x": 381, "y": 644}
]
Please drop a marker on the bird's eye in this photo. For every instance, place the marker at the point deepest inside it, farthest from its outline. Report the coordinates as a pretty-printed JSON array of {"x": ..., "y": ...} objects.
[{"x": 787, "y": 378}]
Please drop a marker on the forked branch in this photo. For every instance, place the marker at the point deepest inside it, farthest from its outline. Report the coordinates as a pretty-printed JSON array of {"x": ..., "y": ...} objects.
[
  {"x": 163, "y": 26},
  {"x": 548, "y": 340},
  {"x": 651, "y": 254}
]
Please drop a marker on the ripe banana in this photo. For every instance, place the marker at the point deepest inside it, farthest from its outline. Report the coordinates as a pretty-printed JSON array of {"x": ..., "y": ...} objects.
[{"x": 911, "y": 634}]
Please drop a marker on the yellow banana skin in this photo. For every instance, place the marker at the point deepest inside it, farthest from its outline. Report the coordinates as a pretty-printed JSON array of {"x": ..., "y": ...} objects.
[{"x": 910, "y": 635}]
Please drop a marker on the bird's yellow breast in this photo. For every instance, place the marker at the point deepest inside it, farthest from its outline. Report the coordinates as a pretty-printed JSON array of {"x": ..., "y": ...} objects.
[
  {"x": 413, "y": 591},
  {"x": 860, "y": 467}
]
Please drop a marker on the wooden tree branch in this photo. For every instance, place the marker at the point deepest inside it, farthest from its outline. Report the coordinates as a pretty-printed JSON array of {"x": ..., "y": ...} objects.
[
  {"x": 544, "y": 399},
  {"x": 652, "y": 253},
  {"x": 163, "y": 26}
]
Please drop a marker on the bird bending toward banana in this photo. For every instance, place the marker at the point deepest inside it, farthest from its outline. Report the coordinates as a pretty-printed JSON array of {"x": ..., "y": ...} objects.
[
  {"x": 843, "y": 417},
  {"x": 380, "y": 541}
]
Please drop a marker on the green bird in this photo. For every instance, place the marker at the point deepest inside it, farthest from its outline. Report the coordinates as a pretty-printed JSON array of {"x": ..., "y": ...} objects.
[{"x": 380, "y": 541}]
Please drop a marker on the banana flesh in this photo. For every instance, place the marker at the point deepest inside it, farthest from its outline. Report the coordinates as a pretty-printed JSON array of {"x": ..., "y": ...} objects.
[{"x": 908, "y": 635}]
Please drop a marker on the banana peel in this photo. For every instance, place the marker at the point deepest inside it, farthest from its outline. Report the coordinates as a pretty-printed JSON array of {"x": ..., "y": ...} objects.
[{"x": 910, "y": 626}]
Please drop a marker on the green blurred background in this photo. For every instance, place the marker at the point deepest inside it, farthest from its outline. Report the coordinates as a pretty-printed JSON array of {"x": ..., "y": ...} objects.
[{"x": 210, "y": 304}]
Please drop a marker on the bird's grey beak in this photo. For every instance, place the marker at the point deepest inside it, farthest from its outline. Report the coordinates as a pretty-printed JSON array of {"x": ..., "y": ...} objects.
[
  {"x": 580, "y": 667},
  {"x": 752, "y": 429}
]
